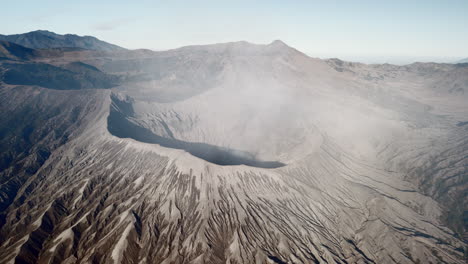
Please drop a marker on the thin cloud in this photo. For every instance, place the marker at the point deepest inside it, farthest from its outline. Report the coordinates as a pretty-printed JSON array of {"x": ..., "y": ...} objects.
[{"x": 110, "y": 25}]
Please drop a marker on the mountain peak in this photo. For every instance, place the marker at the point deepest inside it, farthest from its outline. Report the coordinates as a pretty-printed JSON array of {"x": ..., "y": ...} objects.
[
  {"x": 278, "y": 43},
  {"x": 39, "y": 32},
  {"x": 278, "y": 46},
  {"x": 42, "y": 31}
]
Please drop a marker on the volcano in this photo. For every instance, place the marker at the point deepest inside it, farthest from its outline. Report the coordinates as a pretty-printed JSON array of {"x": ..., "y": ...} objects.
[{"x": 229, "y": 153}]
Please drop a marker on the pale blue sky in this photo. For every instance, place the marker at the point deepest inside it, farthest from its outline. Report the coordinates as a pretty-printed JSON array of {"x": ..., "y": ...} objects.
[{"x": 365, "y": 30}]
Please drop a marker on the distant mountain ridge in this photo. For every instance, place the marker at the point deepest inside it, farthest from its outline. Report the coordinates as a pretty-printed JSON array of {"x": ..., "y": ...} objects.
[
  {"x": 465, "y": 60},
  {"x": 43, "y": 39}
]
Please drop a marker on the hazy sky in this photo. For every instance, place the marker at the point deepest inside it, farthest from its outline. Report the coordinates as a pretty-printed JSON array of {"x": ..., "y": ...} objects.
[{"x": 364, "y": 30}]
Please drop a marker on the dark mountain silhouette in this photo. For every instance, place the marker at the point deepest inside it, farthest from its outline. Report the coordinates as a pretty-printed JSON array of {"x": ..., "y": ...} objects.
[{"x": 43, "y": 39}]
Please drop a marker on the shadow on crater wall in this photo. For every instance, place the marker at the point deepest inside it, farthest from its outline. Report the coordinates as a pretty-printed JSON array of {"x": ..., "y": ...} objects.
[{"x": 119, "y": 125}]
